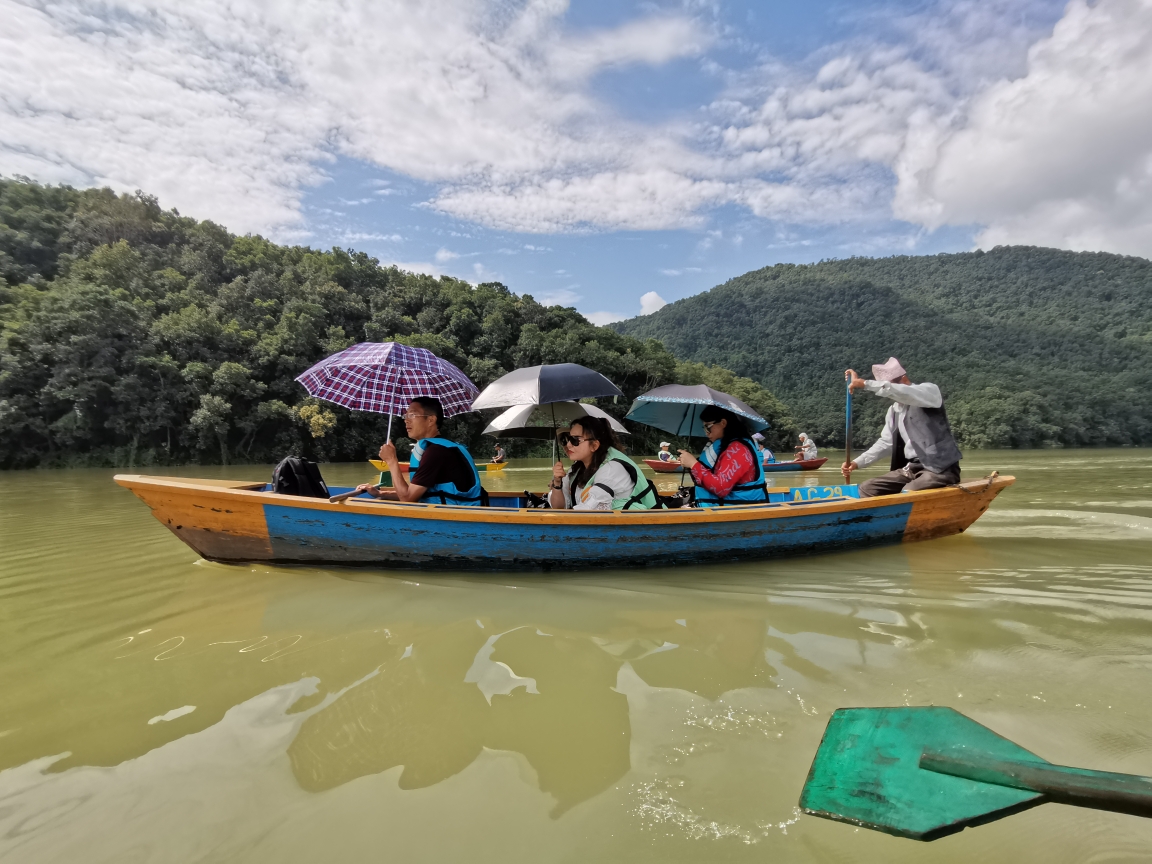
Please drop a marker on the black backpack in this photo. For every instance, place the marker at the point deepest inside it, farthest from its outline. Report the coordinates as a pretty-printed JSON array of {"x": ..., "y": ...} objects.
[{"x": 296, "y": 476}]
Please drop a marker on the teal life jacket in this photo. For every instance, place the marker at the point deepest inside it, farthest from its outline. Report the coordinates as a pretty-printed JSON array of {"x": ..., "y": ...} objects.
[
  {"x": 643, "y": 496},
  {"x": 752, "y": 492},
  {"x": 447, "y": 493}
]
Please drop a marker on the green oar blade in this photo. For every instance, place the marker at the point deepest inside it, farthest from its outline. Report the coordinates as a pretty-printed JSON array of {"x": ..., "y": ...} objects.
[{"x": 867, "y": 773}]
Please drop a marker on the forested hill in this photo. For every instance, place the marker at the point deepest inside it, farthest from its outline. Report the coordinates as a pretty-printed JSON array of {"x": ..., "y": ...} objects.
[
  {"x": 130, "y": 335},
  {"x": 1031, "y": 346}
]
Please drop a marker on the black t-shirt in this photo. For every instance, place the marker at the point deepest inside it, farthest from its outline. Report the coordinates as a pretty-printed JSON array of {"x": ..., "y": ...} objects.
[{"x": 441, "y": 464}]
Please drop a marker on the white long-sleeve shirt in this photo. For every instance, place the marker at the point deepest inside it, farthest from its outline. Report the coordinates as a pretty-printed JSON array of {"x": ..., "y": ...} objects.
[{"x": 902, "y": 395}]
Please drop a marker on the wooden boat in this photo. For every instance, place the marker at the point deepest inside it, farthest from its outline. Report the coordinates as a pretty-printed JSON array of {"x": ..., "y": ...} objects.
[
  {"x": 801, "y": 465},
  {"x": 234, "y": 521},
  {"x": 382, "y": 467},
  {"x": 663, "y": 467}
]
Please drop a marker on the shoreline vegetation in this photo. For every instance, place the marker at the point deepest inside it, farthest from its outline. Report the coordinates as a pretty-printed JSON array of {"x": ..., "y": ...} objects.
[
  {"x": 1032, "y": 347},
  {"x": 131, "y": 336}
]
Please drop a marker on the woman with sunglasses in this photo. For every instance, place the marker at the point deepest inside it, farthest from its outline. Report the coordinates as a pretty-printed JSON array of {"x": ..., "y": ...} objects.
[
  {"x": 729, "y": 470},
  {"x": 602, "y": 477}
]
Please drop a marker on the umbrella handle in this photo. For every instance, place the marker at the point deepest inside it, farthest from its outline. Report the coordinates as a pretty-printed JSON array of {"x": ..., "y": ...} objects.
[{"x": 389, "y": 429}]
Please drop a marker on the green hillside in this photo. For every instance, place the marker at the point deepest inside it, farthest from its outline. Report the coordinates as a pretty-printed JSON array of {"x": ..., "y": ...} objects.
[
  {"x": 1032, "y": 347},
  {"x": 130, "y": 335}
]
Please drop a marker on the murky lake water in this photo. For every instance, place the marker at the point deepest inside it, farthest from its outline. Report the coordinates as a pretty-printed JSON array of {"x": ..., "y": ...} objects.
[{"x": 157, "y": 707}]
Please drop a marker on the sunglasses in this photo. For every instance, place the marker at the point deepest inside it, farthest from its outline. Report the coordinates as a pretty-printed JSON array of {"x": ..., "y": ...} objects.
[
  {"x": 411, "y": 416},
  {"x": 708, "y": 424},
  {"x": 567, "y": 440}
]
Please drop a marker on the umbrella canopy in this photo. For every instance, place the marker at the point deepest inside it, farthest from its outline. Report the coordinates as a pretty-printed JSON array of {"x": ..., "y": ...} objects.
[
  {"x": 539, "y": 385},
  {"x": 541, "y": 421},
  {"x": 385, "y": 376},
  {"x": 676, "y": 408}
]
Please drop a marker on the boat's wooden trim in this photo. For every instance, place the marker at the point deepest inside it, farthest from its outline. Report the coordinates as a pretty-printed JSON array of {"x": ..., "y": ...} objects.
[{"x": 935, "y": 512}]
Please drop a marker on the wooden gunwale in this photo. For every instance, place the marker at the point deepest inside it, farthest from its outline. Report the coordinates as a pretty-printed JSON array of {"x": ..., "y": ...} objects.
[{"x": 208, "y": 490}]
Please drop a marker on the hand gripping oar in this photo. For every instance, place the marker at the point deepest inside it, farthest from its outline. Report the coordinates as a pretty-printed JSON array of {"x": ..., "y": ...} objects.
[{"x": 924, "y": 773}]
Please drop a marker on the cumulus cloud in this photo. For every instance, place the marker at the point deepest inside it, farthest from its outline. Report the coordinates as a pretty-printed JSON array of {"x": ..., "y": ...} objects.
[
  {"x": 560, "y": 297},
  {"x": 1061, "y": 156},
  {"x": 651, "y": 302},
  {"x": 600, "y": 319},
  {"x": 229, "y": 109}
]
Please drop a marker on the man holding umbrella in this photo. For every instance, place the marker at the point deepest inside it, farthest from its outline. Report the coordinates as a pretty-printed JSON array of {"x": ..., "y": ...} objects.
[{"x": 442, "y": 471}]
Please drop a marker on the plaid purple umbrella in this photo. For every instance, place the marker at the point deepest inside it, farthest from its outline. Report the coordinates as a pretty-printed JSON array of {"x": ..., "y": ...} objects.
[{"x": 385, "y": 376}]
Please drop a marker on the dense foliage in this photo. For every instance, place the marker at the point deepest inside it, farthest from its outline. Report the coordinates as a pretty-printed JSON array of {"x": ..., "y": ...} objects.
[
  {"x": 134, "y": 336},
  {"x": 1032, "y": 347}
]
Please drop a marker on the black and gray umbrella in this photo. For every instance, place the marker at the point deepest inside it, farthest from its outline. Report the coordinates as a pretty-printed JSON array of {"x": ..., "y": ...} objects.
[
  {"x": 676, "y": 408},
  {"x": 542, "y": 421},
  {"x": 539, "y": 385}
]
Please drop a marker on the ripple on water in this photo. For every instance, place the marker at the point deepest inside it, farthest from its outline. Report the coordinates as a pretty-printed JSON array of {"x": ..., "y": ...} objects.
[{"x": 1074, "y": 525}]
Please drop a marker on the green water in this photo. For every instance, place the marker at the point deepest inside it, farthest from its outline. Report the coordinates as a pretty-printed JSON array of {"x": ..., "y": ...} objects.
[{"x": 160, "y": 708}]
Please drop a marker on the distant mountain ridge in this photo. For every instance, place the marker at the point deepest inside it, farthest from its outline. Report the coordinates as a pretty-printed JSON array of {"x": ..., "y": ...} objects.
[{"x": 1031, "y": 346}]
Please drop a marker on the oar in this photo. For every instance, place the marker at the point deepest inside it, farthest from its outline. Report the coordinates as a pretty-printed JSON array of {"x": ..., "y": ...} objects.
[
  {"x": 343, "y": 496},
  {"x": 924, "y": 773},
  {"x": 848, "y": 420}
]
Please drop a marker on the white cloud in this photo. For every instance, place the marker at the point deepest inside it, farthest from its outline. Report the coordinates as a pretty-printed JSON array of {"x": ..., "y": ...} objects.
[
  {"x": 443, "y": 254},
  {"x": 1059, "y": 157},
  {"x": 229, "y": 109},
  {"x": 561, "y": 297},
  {"x": 602, "y": 318},
  {"x": 415, "y": 267},
  {"x": 651, "y": 302},
  {"x": 671, "y": 272}
]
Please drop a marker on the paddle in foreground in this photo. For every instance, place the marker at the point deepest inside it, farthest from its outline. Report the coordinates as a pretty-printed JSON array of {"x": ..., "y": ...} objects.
[{"x": 925, "y": 773}]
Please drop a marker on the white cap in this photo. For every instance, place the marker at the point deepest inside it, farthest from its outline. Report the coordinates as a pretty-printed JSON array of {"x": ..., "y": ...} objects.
[
  {"x": 757, "y": 437},
  {"x": 665, "y": 444}
]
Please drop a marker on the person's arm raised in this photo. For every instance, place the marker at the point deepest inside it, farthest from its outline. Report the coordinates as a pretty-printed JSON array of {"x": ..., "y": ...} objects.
[{"x": 924, "y": 395}]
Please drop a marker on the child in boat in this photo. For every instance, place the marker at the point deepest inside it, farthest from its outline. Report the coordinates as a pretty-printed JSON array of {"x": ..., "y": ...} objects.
[
  {"x": 729, "y": 470},
  {"x": 602, "y": 477},
  {"x": 665, "y": 454}
]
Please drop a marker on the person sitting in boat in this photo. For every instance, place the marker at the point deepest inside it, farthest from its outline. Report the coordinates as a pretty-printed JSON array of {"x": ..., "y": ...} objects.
[
  {"x": 806, "y": 449},
  {"x": 729, "y": 470},
  {"x": 767, "y": 457},
  {"x": 440, "y": 471},
  {"x": 916, "y": 432},
  {"x": 498, "y": 455},
  {"x": 602, "y": 477},
  {"x": 665, "y": 455}
]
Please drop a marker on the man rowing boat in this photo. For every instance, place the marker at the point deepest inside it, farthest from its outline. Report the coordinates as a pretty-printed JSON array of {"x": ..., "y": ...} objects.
[{"x": 916, "y": 433}]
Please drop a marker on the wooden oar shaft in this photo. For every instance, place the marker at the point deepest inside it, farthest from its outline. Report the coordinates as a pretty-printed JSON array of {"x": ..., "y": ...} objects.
[{"x": 1100, "y": 790}]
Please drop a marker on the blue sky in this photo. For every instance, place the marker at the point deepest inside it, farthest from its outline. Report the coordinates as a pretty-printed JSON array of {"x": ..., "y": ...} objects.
[
  {"x": 606, "y": 155},
  {"x": 595, "y": 271}
]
